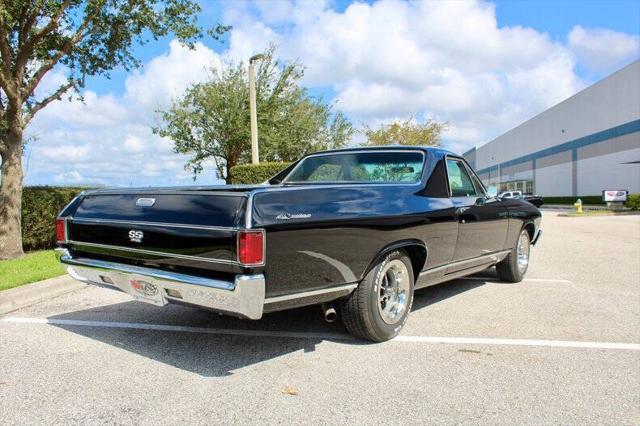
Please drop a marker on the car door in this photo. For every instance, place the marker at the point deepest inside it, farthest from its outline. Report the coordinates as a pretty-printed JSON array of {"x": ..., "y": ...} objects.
[{"x": 482, "y": 221}]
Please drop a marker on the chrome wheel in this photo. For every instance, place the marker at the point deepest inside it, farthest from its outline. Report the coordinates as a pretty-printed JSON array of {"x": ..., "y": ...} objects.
[
  {"x": 393, "y": 291},
  {"x": 522, "y": 252}
]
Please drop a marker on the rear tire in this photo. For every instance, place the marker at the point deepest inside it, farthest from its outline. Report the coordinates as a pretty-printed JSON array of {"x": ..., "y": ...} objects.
[
  {"x": 513, "y": 268},
  {"x": 378, "y": 309}
]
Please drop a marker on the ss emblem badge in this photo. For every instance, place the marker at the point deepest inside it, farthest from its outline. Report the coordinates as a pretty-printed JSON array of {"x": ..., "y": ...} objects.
[{"x": 136, "y": 236}]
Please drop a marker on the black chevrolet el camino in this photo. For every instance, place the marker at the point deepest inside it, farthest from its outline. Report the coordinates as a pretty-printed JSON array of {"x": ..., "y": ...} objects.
[{"x": 356, "y": 230}]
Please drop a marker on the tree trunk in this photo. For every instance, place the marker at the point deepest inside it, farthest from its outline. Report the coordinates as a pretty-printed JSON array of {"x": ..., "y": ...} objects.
[
  {"x": 229, "y": 163},
  {"x": 11, "y": 196}
]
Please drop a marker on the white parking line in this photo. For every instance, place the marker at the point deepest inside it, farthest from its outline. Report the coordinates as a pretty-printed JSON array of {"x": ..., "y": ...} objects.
[
  {"x": 178, "y": 328},
  {"x": 496, "y": 280},
  {"x": 519, "y": 342},
  {"x": 328, "y": 336}
]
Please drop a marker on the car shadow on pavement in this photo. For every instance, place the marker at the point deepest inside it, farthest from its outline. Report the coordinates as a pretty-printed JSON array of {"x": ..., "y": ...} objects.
[
  {"x": 219, "y": 355},
  {"x": 206, "y": 354},
  {"x": 431, "y": 295}
]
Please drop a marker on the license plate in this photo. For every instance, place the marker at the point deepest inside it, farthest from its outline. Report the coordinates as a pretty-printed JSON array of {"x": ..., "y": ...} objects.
[{"x": 147, "y": 291}]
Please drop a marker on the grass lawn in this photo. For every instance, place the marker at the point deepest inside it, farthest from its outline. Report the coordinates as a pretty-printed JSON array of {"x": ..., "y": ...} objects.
[{"x": 34, "y": 266}]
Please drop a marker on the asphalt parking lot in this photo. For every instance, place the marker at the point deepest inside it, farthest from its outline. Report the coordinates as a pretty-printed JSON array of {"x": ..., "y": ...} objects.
[{"x": 561, "y": 347}]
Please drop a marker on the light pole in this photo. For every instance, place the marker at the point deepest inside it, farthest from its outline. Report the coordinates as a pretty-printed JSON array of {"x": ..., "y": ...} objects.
[{"x": 255, "y": 158}]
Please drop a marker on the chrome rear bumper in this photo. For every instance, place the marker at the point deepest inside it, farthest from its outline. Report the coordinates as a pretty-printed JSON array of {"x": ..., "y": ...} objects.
[{"x": 244, "y": 296}]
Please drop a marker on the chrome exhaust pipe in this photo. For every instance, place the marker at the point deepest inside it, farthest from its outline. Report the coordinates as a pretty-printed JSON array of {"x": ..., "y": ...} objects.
[{"x": 330, "y": 314}]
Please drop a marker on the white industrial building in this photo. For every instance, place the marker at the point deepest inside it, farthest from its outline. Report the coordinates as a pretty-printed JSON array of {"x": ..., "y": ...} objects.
[{"x": 583, "y": 145}]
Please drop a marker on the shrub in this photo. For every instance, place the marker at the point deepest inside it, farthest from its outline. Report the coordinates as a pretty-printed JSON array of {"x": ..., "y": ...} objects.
[
  {"x": 40, "y": 206},
  {"x": 255, "y": 173},
  {"x": 586, "y": 199},
  {"x": 633, "y": 201}
]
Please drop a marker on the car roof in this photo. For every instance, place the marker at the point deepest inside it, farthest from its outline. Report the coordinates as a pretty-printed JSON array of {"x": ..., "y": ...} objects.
[{"x": 434, "y": 150}]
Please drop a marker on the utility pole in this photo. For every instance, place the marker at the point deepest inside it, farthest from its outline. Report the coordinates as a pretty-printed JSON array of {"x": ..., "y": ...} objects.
[{"x": 255, "y": 158}]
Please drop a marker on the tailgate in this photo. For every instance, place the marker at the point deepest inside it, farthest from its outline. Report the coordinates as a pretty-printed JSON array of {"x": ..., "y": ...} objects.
[{"x": 174, "y": 230}]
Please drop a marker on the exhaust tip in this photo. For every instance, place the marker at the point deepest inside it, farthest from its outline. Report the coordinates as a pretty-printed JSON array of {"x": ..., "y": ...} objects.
[{"x": 330, "y": 314}]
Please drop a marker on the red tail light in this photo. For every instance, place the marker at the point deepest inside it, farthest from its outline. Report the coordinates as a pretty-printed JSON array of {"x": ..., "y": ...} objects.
[
  {"x": 251, "y": 248},
  {"x": 61, "y": 231}
]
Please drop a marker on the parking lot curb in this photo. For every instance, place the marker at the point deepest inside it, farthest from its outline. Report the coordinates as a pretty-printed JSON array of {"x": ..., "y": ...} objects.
[{"x": 30, "y": 294}]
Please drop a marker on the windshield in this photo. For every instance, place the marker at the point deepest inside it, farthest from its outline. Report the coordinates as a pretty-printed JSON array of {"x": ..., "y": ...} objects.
[{"x": 360, "y": 167}]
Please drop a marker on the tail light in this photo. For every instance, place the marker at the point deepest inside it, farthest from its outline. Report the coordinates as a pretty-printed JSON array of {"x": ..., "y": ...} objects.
[
  {"x": 61, "y": 230},
  {"x": 251, "y": 248}
]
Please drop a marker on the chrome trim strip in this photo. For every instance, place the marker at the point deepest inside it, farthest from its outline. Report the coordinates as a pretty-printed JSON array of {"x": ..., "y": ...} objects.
[
  {"x": 154, "y": 273},
  {"x": 170, "y": 191},
  {"x": 309, "y": 293},
  {"x": 249, "y": 211},
  {"x": 153, "y": 253},
  {"x": 463, "y": 262},
  {"x": 436, "y": 269},
  {"x": 159, "y": 224}
]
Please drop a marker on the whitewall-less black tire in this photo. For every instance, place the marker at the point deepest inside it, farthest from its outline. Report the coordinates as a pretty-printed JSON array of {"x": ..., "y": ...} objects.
[
  {"x": 513, "y": 267},
  {"x": 379, "y": 307}
]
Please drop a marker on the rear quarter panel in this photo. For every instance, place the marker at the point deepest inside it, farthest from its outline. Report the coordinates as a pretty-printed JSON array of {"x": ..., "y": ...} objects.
[
  {"x": 521, "y": 213},
  {"x": 319, "y": 237}
]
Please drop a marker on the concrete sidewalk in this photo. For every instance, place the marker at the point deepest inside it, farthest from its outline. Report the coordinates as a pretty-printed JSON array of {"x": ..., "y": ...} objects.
[{"x": 30, "y": 294}]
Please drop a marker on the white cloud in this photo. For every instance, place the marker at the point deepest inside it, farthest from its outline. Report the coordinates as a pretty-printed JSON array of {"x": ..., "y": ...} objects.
[
  {"x": 134, "y": 144},
  {"x": 168, "y": 75},
  {"x": 602, "y": 50},
  {"x": 108, "y": 138},
  {"x": 69, "y": 177},
  {"x": 65, "y": 153},
  {"x": 448, "y": 60}
]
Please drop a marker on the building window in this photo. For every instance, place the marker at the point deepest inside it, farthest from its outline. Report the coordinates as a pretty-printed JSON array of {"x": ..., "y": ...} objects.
[{"x": 526, "y": 186}]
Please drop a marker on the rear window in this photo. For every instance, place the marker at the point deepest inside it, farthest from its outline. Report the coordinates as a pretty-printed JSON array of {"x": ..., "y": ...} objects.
[{"x": 359, "y": 167}]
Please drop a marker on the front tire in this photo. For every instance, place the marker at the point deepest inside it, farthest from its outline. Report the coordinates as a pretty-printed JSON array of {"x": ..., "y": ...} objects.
[
  {"x": 378, "y": 309},
  {"x": 514, "y": 266}
]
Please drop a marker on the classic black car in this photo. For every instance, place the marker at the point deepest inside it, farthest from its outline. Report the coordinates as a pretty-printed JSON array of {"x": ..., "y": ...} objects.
[{"x": 356, "y": 230}]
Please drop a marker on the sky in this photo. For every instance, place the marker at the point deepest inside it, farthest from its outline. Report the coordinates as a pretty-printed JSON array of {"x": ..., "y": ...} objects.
[{"x": 483, "y": 67}]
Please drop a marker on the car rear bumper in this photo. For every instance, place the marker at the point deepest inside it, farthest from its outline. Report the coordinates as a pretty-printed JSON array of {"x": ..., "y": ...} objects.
[{"x": 244, "y": 296}]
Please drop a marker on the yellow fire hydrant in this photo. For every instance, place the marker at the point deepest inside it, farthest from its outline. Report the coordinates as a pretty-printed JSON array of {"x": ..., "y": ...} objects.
[{"x": 578, "y": 205}]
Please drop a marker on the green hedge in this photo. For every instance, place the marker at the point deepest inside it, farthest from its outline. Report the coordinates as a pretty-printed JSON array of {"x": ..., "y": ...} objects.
[
  {"x": 40, "y": 206},
  {"x": 586, "y": 199},
  {"x": 255, "y": 173},
  {"x": 633, "y": 201}
]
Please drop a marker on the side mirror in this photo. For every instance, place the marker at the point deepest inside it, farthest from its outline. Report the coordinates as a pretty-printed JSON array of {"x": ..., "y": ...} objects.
[{"x": 492, "y": 191}]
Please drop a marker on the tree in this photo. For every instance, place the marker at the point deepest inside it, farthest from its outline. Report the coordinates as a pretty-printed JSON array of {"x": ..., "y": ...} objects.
[
  {"x": 211, "y": 120},
  {"x": 406, "y": 132},
  {"x": 79, "y": 37}
]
